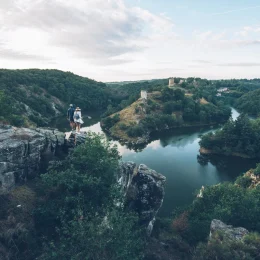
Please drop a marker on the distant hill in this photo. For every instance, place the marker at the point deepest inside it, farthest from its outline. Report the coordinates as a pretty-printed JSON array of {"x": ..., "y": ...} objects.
[{"x": 34, "y": 97}]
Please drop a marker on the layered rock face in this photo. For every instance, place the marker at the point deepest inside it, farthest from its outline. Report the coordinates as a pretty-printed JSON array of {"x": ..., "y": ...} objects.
[
  {"x": 144, "y": 191},
  {"x": 229, "y": 232},
  {"x": 21, "y": 152}
]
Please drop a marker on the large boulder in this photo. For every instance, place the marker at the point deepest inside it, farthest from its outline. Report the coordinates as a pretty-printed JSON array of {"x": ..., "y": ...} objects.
[
  {"x": 228, "y": 231},
  {"x": 74, "y": 138},
  {"x": 144, "y": 191},
  {"x": 22, "y": 151}
]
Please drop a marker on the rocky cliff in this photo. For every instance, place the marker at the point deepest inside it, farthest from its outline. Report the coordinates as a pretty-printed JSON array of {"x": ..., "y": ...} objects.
[
  {"x": 144, "y": 191},
  {"x": 22, "y": 150},
  {"x": 229, "y": 232}
]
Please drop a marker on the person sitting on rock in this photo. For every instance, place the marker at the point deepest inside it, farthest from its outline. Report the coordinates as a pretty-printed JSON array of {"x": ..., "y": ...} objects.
[
  {"x": 78, "y": 119},
  {"x": 70, "y": 115}
]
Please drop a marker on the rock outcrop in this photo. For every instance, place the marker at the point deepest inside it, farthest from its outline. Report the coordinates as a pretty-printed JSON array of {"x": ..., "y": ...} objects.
[
  {"x": 74, "y": 138},
  {"x": 228, "y": 231},
  {"x": 22, "y": 151},
  {"x": 144, "y": 191}
]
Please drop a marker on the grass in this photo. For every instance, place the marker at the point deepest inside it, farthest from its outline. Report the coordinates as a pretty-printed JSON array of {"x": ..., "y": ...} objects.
[
  {"x": 128, "y": 116},
  {"x": 203, "y": 101}
]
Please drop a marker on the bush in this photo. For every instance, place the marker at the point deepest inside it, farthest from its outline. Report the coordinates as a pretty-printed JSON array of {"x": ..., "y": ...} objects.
[
  {"x": 17, "y": 120},
  {"x": 109, "y": 122},
  {"x": 77, "y": 214},
  {"x": 122, "y": 126},
  {"x": 137, "y": 109},
  {"x": 226, "y": 249},
  {"x": 244, "y": 181},
  {"x": 257, "y": 169},
  {"x": 135, "y": 131},
  {"x": 230, "y": 203}
]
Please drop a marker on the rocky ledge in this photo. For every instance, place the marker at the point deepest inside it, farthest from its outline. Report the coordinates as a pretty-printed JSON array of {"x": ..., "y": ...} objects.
[
  {"x": 144, "y": 191},
  {"x": 228, "y": 231},
  {"x": 22, "y": 150}
]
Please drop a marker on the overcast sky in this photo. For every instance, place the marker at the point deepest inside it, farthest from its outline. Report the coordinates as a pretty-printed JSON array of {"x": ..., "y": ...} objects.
[{"x": 114, "y": 40}]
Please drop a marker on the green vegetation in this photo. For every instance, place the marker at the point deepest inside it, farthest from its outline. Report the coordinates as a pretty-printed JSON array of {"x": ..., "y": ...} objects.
[
  {"x": 125, "y": 93},
  {"x": 80, "y": 201},
  {"x": 44, "y": 94},
  {"x": 228, "y": 202},
  {"x": 240, "y": 137},
  {"x": 164, "y": 109},
  {"x": 78, "y": 212},
  {"x": 36, "y": 96},
  {"x": 249, "y": 103},
  {"x": 218, "y": 248}
]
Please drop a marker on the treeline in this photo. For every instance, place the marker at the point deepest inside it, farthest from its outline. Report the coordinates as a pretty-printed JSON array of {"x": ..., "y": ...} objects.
[
  {"x": 38, "y": 95},
  {"x": 200, "y": 88},
  {"x": 240, "y": 137},
  {"x": 249, "y": 103}
]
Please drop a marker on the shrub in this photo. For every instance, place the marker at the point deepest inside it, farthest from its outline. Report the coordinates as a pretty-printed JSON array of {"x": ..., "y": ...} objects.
[
  {"x": 228, "y": 202},
  {"x": 244, "y": 181},
  {"x": 180, "y": 224},
  {"x": 122, "y": 126},
  {"x": 228, "y": 249},
  {"x": 78, "y": 208},
  {"x": 135, "y": 131},
  {"x": 257, "y": 169},
  {"x": 109, "y": 122}
]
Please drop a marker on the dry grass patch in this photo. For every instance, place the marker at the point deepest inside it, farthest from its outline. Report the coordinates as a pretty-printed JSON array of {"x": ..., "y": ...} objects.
[{"x": 203, "y": 101}]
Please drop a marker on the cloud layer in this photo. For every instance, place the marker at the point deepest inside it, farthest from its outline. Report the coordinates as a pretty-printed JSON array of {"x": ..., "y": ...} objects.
[
  {"x": 109, "y": 40},
  {"x": 96, "y": 30}
]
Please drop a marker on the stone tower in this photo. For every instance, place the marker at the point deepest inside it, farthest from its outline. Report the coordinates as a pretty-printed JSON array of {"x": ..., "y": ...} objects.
[
  {"x": 143, "y": 94},
  {"x": 171, "y": 82}
]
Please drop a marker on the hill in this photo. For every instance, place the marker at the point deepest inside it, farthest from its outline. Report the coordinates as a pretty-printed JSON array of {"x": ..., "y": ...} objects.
[
  {"x": 169, "y": 108},
  {"x": 34, "y": 97}
]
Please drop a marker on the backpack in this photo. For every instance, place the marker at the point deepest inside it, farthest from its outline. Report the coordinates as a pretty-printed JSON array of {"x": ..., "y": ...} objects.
[{"x": 76, "y": 116}]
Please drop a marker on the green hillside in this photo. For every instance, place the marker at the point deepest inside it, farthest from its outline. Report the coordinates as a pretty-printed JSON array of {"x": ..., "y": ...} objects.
[
  {"x": 165, "y": 109},
  {"x": 34, "y": 97}
]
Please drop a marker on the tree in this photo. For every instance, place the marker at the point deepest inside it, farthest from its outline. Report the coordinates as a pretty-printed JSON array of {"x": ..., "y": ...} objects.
[{"x": 82, "y": 213}]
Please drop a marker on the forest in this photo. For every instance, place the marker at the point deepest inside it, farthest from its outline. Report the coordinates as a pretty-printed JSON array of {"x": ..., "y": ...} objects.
[
  {"x": 44, "y": 94},
  {"x": 240, "y": 137},
  {"x": 35, "y": 96},
  {"x": 164, "y": 109}
]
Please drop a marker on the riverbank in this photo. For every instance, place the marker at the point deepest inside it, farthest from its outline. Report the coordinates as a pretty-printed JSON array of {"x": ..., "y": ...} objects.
[
  {"x": 143, "y": 140},
  {"x": 205, "y": 151}
]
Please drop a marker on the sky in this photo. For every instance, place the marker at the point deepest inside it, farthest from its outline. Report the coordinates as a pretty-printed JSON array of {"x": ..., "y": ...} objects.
[{"x": 124, "y": 40}]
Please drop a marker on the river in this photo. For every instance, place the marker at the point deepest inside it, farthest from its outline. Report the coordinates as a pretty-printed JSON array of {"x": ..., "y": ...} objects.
[{"x": 174, "y": 154}]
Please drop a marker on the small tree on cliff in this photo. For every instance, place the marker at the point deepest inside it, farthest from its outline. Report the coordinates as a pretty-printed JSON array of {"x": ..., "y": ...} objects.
[{"x": 79, "y": 213}]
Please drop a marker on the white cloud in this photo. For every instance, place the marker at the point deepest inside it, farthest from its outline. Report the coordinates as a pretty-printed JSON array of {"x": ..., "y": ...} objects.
[
  {"x": 98, "y": 31},
  {"x": 246, "y": 30},
  {"x": 108, "y": 40}
]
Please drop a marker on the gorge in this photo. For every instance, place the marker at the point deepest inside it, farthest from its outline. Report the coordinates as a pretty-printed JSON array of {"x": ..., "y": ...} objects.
[{"x": 168, "y": 153}]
